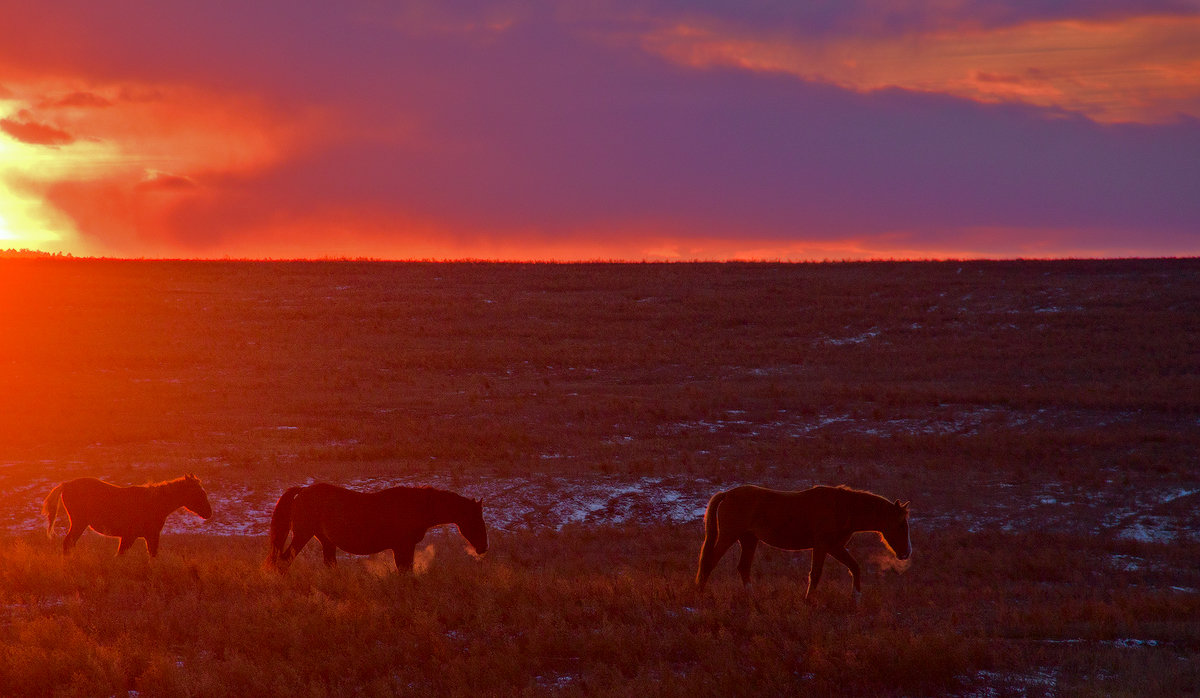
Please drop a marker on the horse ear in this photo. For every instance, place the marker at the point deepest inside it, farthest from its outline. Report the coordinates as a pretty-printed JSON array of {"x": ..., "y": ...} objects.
[{"x": 902, "y": 505}]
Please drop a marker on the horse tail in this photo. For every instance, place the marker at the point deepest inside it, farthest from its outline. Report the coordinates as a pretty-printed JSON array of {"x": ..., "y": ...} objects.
[
  {"x": 710, "y": 518},
  {"x": 281, "y": 524},
  {"x": 50, "y": 507},
  {"x": 710, "y": 538}
]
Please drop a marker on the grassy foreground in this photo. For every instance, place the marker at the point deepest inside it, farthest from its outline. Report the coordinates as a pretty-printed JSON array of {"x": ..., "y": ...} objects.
[
  {"x": 1043, "y": 417},
  {"x": 615, "y": 616}
]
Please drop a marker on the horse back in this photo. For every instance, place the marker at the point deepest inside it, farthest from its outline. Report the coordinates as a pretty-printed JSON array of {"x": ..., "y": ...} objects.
[
  {"x": 109, "y": 509},
  {"x": 792, "y": 520},
  {"x": 362, "y": 523},
  {"x": 87, "y": 494}
]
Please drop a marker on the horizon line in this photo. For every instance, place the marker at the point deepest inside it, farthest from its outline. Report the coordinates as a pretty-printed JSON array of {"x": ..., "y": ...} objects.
[{"x": 28, "y": 254}]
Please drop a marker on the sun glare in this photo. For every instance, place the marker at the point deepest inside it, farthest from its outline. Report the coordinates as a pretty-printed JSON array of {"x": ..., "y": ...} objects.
[
  {"x": 84, "y": 162},
  {"x": 19, "y": 224},
  {"x": 26, "y": 222},
  {"x": 5, "y": 232}
]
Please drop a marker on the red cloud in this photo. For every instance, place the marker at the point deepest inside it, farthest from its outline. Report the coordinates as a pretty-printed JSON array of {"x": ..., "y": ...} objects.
[
  {"x": 164, "y": 181},
  {"x": 567, "y": 135},
  {"x": 35, "y": 133},
  {"x": 80, "y": 100}
]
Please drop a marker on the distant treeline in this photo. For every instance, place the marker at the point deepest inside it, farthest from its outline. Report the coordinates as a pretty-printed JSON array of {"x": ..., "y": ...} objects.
[{"x": 31, "y": 254}]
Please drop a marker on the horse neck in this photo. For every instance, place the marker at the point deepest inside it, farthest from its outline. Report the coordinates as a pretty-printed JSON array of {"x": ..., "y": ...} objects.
[
  {"x": 448, "y": 508},
  {"x": 166, "y": 498},
  {"x": 876, "y": 512}
]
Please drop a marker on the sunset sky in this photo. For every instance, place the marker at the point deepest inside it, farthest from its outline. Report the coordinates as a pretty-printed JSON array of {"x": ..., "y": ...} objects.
[{"x": 601, "y": 129}]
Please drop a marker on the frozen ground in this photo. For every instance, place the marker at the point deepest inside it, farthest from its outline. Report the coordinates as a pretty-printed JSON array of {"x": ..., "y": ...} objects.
[
  {"x": 1166, "y": 513},
  {"x": 555, "y": 501},
  {"x": 510, "y": 503}
]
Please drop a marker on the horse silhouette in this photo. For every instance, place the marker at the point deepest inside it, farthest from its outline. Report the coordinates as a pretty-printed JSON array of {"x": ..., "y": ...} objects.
[
  {"x": 821, "y": 518},
  {"x": 365, "y": 523},
  {"x": 127, "y": 513}
]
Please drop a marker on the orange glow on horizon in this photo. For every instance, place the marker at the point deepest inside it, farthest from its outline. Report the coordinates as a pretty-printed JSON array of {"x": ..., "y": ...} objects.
[
  {"x": 118, "y": 165},
  {"x": 128, "y": 155},
  {"x": 384, "y": 238}
]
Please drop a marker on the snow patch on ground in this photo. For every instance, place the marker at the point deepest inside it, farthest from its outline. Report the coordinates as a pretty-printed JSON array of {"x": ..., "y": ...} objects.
[
  {"x": 856, "y": 339},
  {"x": 510, "y": 503},
  {"x": 553, "y": 502},
  {"x": 992, "y": 684},
  {"x": 1146, "y": 521}
]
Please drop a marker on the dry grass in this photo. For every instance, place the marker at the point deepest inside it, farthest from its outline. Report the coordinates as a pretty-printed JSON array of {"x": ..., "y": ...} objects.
[
  {"x": 589, "y": 612},
  {"x": 1035, "y": 413}
]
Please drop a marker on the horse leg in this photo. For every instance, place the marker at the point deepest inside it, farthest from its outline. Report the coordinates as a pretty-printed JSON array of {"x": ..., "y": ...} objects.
[
  {"x": 404, "y": 554},
  {"x": 152, "y": 543},
  {"x": 125, "y": 544},
  {"x": 749, "y": 542},
  {"x": 298, "y": 542},
  {"x": 328, "y": 550},
  {"x": 73, "y": 535},
  {"x": 843, "y": 556},
  {"x": 709, "y": 556},
  {"x": 814, "y": 574},
  {"x": 706, "y": 563}
]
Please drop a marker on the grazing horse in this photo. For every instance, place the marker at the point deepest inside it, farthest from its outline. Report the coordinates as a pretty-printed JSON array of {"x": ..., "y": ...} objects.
[
  {"x": 128, "y": 513},
  {"x": 365, "y": 523},
  {"x": 821, "y": 518}
]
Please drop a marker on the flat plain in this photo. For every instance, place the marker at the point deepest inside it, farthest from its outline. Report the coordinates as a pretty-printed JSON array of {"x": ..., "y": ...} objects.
[{"x": 1042, "y": 417}]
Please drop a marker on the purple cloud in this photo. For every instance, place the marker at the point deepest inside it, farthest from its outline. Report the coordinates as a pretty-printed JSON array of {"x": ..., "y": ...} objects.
[{"x": 552, "y": 120}]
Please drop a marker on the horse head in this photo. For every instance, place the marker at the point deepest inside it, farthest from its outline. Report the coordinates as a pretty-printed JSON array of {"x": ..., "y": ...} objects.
[
  {"x": 471, "y": 526},
  {"x": 895, "y": 531},
  {"x": 195, "y": 499}
]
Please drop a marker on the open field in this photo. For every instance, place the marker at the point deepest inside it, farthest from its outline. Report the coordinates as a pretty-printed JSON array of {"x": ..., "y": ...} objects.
[{"x": 1043, "y": 417}]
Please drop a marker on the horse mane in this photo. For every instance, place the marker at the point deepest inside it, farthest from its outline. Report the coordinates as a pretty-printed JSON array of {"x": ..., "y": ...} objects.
[
  {"x": 169, "y": 484},
  {"x": 168, "y": 489},
  {"x": 862, "y": 495},
  {"x": 446, "y": 494},
  {"x": 428, "y": 488}
]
